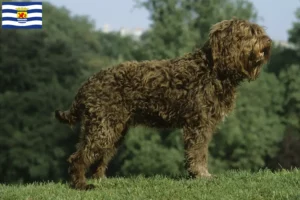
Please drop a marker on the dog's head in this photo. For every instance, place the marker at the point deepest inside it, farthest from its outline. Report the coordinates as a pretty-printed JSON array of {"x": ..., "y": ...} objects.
[{"x": 240, "y": 46}]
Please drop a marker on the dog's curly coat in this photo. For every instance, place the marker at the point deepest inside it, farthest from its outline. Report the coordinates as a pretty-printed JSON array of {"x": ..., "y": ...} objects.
[{"x": 194, "y": 92}]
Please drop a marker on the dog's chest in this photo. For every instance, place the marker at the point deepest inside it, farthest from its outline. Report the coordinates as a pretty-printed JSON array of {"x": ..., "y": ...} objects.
[{"x": 217, "y": 104}]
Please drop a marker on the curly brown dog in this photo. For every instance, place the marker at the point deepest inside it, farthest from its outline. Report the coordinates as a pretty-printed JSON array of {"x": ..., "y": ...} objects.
[{"x": 194, "y": 92}]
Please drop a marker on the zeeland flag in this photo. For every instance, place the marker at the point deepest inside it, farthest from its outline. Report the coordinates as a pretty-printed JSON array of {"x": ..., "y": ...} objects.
[{"x": 24, "y": 15}]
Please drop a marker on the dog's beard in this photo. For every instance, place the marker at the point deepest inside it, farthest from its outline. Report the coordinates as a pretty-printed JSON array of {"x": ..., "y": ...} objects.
[
  {"x": 254, "y": 69},
  {"x": 256, "y": 62},
  {"x": 254, "y": 74}
]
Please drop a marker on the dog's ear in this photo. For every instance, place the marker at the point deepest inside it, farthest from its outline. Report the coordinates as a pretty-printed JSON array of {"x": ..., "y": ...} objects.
[{"x": 221, "y": 41}]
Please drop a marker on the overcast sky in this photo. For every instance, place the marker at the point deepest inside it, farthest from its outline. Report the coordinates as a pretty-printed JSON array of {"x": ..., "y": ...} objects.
[{"x": 277, "y": 15}]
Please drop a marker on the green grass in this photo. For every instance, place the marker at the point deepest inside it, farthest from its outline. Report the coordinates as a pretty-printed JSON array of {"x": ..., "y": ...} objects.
[{"x": 263, "y": 185}]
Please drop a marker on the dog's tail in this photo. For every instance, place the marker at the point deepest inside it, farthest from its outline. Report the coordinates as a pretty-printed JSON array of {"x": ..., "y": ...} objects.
[{"x": 67, "y": 117}]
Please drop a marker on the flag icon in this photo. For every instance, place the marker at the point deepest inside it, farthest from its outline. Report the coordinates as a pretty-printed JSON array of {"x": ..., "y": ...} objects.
[{"x": 24, "y": 15}]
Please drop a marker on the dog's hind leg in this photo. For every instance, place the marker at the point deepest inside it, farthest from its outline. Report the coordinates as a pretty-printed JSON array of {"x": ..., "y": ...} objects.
[
  {"x": 98, "y": 142},
  {"x": 100, "y": 167},
  {"x": 81, "y": 160}
]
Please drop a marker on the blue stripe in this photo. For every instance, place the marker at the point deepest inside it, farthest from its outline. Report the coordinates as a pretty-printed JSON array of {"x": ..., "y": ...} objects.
[
  {"x": 21, "y": 3},
  {"x": 28, "y": 11},
  {"x": 21, "y": 27},
  {"x": 15, "y": 19}
]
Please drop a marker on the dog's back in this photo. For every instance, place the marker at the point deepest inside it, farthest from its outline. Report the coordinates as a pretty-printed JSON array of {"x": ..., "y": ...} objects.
[{"x": 153, "y": 91}]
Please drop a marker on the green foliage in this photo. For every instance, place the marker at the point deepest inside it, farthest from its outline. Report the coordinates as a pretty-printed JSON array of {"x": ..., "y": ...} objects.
[
  {"x": 295, "y": 31},
  {"x": 289, "y": 77},
  {"x": 291, "y": 81},
  {"x": 282, "y": 58},
  {"x": 288, "y": 155},
  {"x": 285, "y": 64},
  {"x": 251, "y": 133},
  {"x": 117, "y": 48},
  {"x": 145, "y": 150},
  {"x": 230, "y": 185},
  {"x": 41, "y": 70},
  {"x": 32, "y": 146},
  {"x": 178, "y": 26}
]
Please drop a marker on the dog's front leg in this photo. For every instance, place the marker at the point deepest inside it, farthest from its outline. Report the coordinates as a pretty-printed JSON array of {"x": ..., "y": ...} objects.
[{"x": 196, "y": 141}]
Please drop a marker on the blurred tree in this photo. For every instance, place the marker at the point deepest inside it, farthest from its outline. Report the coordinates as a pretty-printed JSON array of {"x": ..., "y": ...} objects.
[
  {"x": 288, "y": 71},
  {"x": 39, "y": 72},
  {"x": 179, "y": 26},
  {"x": 285, "y": 57},
  {"x": 149, "y": 152},
  {"x": 116, "y": 48},
  {"x": 295, "y": 31},
  {"x": 252, "y": 131},
  {"x": 281, "y": 58}
]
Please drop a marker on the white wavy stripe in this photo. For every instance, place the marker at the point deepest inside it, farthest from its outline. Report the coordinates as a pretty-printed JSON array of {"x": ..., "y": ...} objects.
[
  {"x": 14, "y": 15},
  {"x": 13, "y": 7},
  {"x": 22, "y": 24}
]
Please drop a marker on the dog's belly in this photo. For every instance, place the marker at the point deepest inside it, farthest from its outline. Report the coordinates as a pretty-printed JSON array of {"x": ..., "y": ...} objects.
[{"x": 155, "y": 120}]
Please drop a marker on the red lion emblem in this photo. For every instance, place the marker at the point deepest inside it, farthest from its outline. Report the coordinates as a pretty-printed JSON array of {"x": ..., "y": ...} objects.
[{"x": 22, "y": 15}]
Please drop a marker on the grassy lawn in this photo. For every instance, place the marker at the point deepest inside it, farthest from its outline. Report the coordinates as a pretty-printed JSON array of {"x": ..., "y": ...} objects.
[{"x": 263, "y": 185}]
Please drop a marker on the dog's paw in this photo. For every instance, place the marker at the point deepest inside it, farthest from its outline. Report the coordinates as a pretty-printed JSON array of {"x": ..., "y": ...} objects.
[
  {"x": 202, "y": 175},
  {"x": 90, "y": 187},
  {"x": 99, "y": 177},
  {"x": 83, "y": 187}
]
